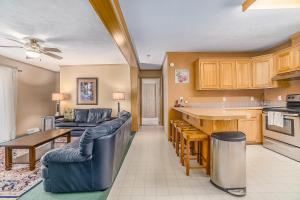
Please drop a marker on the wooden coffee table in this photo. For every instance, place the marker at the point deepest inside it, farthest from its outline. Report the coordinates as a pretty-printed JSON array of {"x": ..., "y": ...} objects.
[{"x": 30, "y": 142}]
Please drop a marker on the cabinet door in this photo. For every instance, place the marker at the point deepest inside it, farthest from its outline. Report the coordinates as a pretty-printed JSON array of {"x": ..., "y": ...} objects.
[
  {"x": 250, "y": 128},
  {"x": 243, "y": 74},
  {"x": 227, "y": 74},
  {"x": 284, "y": 60},
  {"x": 297, "y": 57},
  {"x": 262, "y": 72},
  {"x": 210, "y": 75}
]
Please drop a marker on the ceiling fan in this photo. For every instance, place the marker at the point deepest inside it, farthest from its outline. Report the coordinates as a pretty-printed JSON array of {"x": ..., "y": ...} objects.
[{"x": 33, "y": 48}]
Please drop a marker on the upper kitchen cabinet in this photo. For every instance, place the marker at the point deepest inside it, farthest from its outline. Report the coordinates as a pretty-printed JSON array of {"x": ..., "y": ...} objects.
[
  {"x": 207, "y": 75},
  {"x": 244, "y": 74},
  {"x": 297, "y": 57},
  {"x": 262, "y": 68},
  {"x": 227, "y": 74},
  {"x": 284, "y": 60}
]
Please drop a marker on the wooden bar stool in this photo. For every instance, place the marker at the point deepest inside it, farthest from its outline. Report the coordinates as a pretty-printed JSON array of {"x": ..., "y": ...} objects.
[
  {"x": 178, "y": 135},
  {"x": 175, "y": 126},
  {"x": 170, "y": 133},
  {"x": 189, "y": 137}
]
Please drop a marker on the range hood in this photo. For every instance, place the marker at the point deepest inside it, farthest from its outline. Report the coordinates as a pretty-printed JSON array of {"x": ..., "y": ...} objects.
[{"x": 294, "y": 75}]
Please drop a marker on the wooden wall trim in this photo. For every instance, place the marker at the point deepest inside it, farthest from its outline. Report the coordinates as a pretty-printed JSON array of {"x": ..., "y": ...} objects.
[
  {"x": 110, "y": 13},
  {"x": 135, "y": 98},
  {"x": 247, "y": 4}
]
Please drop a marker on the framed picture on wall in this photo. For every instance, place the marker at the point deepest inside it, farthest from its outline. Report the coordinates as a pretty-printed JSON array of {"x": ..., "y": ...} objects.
[
  {"x": 182, "y": 76},
  {"x": 87, "y": 91}
]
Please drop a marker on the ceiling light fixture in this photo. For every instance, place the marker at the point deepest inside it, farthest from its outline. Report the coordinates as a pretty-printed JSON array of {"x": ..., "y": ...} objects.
[
  {"x": 270, "y": 4},
  {"x": 32, "y": 54}
]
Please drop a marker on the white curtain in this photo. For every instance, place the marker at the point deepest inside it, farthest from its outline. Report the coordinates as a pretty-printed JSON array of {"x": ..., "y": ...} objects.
[{"x": 8, "y": 103}]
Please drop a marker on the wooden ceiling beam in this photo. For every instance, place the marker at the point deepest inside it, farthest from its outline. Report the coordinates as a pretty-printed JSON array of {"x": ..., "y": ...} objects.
[
  {"x": 110, "y": 13},
  {"x": 247, "y": 4}
]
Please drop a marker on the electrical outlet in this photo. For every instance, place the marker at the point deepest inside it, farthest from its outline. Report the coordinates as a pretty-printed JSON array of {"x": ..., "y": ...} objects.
[
  {"x": 279, "y": 98},
  {"x": 251, "y": 98},
  {"x": 224, "y": 99},
  {"x": 186, "y": 102}
]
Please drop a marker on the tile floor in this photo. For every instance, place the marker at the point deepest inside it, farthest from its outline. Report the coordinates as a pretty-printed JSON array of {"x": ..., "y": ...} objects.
[{"x": 151, "y": 170}]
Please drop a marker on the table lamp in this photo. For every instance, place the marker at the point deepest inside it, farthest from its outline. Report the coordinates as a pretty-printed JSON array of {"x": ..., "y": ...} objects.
[
  {"x": 57, "y": 97},
  {"x": 119, "y": 96}
]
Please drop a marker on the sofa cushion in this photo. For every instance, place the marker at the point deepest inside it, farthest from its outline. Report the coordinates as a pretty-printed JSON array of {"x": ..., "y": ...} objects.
[
  {"x": 106, "y": 128},
  {"x": 81, "y": 115},
  {"x": 86, "y": 124},
  {"x": 66, "y": 124},
  {"x": 97, "y": 115}
]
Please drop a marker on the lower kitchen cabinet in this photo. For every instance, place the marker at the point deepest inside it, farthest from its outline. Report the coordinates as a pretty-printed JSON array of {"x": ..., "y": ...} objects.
[{"x": 252, "y": 127}]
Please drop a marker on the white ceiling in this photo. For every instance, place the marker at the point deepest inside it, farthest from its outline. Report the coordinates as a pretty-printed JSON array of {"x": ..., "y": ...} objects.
[
  {"x": 159, "y": 26},
  {"x": 70, "y": 25}
]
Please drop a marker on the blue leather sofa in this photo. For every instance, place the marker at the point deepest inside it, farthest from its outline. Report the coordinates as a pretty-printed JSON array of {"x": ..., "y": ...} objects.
[
  {"x": 83, "y": 119},
  {"x": 91, "y": 163}
]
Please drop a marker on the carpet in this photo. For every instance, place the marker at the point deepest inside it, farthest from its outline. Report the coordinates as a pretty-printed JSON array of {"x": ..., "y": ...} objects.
[
  {"x": 20, "y": 179},
  {"x": 38, "y": 192}
]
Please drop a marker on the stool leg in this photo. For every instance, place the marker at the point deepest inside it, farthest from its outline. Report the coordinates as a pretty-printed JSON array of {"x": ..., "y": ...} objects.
[
  {"x": 187, "y": 160},
  {"x": 173, "y": 136},
  {"x": 182, "y": 151},
  {"x": 200, "y": 153},
  {"x": 177, "y": 142}
]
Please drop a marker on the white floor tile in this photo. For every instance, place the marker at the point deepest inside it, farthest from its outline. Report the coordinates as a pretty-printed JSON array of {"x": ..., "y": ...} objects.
[{"x": 151, "y": 171}]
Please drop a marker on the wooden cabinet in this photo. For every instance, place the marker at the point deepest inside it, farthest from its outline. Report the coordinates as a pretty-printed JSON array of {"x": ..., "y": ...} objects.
[
  {"x": 262, "y": 68},
  {"x": 284, "y": 60},
  {"x": 296, "y": 54},
  {"x": 252, "y": 127},
  {"x": 222, "y": 73},
  {"x": 243, "y": 74},
  {"x": 207, "y": 75},
  {"x": 227, "y": 74}
]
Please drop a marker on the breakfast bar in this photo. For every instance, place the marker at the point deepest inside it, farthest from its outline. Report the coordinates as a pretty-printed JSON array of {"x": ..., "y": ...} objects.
[{"x": 208, "y": 121}]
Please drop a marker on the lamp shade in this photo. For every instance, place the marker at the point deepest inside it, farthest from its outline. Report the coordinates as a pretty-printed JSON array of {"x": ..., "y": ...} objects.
[
  {"x": 119, "y": 96},
  {"x": 57, "y": 96}
]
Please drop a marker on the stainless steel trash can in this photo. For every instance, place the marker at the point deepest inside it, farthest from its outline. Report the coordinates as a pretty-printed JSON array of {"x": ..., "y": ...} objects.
[{"x": 228, "y": 162}]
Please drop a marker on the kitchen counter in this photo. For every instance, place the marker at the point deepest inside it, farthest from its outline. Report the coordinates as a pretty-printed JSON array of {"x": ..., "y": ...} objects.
[{"x": 214, "y": 113}]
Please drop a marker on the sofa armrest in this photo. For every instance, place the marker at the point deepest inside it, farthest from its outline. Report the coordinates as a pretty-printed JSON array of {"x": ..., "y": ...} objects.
[{"x": 64, "y": 155}]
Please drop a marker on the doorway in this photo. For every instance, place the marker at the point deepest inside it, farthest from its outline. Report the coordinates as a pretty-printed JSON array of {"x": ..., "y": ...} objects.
[{"x": 151, "y": 101}]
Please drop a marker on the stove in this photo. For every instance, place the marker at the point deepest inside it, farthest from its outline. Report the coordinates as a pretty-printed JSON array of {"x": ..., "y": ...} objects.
[{"x": 283, "y": 137}]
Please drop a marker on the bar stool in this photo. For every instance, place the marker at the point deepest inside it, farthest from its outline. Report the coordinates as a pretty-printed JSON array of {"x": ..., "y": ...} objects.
[
  {"x": 189, "y": 137},
  {"x": 177, "y": 124},
  {"x": 178, "y": 135},
  {"x": 170, "y": 133}
]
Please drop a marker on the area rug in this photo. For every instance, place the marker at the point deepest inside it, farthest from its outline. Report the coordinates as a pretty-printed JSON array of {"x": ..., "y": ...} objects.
[{"x": 20, "y": 179}]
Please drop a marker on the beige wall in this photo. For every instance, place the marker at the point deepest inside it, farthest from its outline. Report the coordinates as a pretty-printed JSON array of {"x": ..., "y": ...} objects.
[
  {"x": 111, "y": 78},
  {"x": 188, "y": 91},
  {"x": 35, "y": 86},
  {"x": 292, "y": 88}
]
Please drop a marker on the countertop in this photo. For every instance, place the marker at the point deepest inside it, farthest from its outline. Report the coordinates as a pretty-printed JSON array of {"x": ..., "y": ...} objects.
[{"x": 215, "y": 113}]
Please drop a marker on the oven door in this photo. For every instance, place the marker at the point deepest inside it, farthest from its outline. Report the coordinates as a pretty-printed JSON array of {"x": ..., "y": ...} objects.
[{"x": 289, "y": 133}]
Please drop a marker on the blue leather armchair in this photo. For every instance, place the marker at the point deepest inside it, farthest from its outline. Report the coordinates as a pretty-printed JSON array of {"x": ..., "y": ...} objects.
[{"x": 91, "y": 163}]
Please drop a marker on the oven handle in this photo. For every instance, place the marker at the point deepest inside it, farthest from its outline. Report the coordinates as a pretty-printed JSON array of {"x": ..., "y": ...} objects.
[{"x": 286, "y": 114}]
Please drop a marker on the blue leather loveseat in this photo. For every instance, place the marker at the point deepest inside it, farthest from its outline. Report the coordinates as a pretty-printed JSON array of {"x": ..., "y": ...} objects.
[
  {"x": 91, "y": 163},
  {"x": 83, "y": 119}
]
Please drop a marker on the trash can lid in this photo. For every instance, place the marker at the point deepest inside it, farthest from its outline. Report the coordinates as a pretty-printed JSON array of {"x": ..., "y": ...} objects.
[{"x": 234, "y": 136}]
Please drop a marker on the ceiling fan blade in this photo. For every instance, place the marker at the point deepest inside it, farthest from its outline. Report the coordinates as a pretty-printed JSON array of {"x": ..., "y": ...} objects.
[
  {"x": 52, "y": 55},
  {"x": 15, "y": 41},
  {"x": 52, "y": 49},
  {"x": 11, "y": 46}
]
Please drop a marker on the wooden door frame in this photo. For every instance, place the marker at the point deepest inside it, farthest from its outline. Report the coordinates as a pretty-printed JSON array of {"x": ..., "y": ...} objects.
[{"x": 157, "y": 75}]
